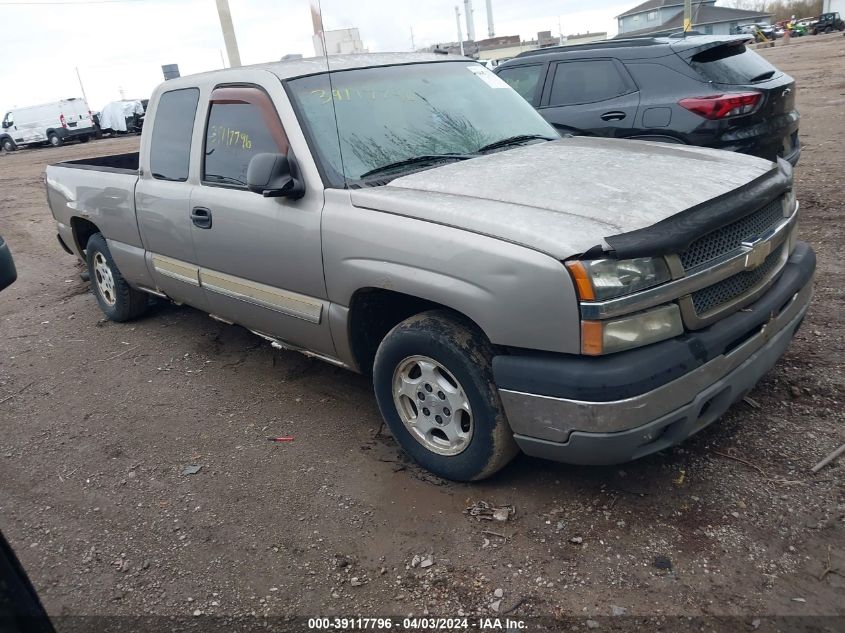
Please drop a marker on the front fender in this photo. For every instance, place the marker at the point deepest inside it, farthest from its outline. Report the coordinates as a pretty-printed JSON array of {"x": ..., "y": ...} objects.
[{"x": 519, "y": 297}]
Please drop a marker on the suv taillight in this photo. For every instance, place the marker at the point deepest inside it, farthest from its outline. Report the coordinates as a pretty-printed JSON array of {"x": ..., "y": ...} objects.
[
  {"x": 723, "y": 106},
  {"x": 62, "y": 120}
]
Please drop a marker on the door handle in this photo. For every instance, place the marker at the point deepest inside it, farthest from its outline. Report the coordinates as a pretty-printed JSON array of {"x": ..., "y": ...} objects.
[
  {"x": 616, "y": 115},
  {"x": 201, "y": 217}
]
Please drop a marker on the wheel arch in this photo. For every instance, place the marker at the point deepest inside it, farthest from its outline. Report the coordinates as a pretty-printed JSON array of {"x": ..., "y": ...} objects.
[
  {"x": 373, "y": 312},
  {"x": 82, "y": 231}
]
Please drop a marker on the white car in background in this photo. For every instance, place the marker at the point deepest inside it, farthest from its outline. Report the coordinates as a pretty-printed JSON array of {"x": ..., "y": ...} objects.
[
  {"x": 53, "y": 123},
  {"x": 122, "y": 116}
]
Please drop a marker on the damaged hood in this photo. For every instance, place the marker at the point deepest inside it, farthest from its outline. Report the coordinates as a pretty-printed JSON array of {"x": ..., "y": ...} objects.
[{"x": 565, "y": 197}]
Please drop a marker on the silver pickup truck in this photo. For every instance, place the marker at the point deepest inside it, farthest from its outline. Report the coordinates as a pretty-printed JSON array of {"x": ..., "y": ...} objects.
[{"x": 411, "y": 217}]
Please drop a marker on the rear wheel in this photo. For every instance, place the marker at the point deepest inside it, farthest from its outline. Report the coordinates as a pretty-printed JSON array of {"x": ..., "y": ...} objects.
[
  {"x": 117, "y": 299},
  {"x": 434, "y": 384},
  {"x": 55, "y": 140},
  {"x": 9, "y": 145}
]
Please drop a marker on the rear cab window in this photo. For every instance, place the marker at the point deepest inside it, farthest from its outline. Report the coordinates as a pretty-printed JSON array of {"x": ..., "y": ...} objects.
[
  {"x": 170, "y": 147},
  {"x": 587, "y": 81},
  {"x": 523, "y": 79},
  {"x": 733, "y": 64},
  {"x": 242, "y": 122}
]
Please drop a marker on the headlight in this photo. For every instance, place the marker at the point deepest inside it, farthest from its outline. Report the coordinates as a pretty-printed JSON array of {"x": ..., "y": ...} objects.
[
  {"x": 602, "y": 279},
  {"x": 635, "y": 330}
]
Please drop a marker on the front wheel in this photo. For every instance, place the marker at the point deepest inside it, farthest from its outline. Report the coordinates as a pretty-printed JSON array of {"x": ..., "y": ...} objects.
[
  {"x": 9, "y": 145},
  {"x": 433, "y": 380},
  {"x": 118, "y": 300}
]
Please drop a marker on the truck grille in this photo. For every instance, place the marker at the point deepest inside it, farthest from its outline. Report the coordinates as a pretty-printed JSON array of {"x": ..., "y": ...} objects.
[
  {"x": 718, "y": 294},
  {"x": 731, "y": 237}
]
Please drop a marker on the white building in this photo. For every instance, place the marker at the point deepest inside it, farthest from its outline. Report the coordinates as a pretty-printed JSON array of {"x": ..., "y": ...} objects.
[
  {"x": 339, "y": 42},
  {"x": 663, "y": 17}
]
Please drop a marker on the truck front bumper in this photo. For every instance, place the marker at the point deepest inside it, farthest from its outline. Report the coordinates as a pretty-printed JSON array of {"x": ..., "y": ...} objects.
[{"x": 613, "y": 409}]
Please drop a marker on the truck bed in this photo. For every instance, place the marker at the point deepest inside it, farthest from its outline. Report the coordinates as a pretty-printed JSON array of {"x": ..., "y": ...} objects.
[
  {"x": 97, "y": 190},
  {"x": 115, "y": 163}
]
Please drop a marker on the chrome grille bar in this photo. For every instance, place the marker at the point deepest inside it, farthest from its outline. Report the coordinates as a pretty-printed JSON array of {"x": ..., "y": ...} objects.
[{"x": 746, "y": 257}]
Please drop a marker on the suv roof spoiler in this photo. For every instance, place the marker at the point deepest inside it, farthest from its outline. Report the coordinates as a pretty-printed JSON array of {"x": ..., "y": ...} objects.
[
  {"x": 690, "y": 47},
  {"x": 680, "y": 42}
]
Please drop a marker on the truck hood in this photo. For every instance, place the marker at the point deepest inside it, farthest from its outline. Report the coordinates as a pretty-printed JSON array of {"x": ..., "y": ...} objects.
[{"x": 565, "y": 197}]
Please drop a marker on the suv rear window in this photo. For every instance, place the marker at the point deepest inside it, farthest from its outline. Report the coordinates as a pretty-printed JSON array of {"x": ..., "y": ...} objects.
[{"x": 733, "y": 64}]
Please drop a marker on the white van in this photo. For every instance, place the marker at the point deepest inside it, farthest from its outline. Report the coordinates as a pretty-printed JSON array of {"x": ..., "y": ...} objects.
[{"x": 53, "y": 123}]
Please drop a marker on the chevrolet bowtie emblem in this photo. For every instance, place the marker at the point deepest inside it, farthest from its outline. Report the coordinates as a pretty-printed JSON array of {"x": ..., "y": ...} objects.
[{"x": 758, "y": 251}]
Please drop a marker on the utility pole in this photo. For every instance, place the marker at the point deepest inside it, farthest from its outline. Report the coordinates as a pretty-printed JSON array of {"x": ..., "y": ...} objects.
[
  {"x": 413, "y": 46},
  {"x": 81, "y": 87},
  {"x": 228, "y": 33},
  {"x": 460, "y": 31},
  {"x": 687, "y": 15}
]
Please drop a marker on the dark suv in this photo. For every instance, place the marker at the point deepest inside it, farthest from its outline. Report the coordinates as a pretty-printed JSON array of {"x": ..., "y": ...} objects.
[
  {"x": 699, "y": 90},
  {"x": 828, "y": 23}
]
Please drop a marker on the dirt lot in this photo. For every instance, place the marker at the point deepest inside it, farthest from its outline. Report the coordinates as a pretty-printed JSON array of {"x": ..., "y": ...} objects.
[{"x": 99, "y": 420}]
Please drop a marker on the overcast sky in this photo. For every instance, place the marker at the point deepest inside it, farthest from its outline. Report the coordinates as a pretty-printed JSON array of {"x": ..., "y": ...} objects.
[{"x": 121, "y": 44}]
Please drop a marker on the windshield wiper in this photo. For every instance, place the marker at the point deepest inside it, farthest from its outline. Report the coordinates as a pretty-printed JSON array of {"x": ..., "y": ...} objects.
[
  {"x": 426, "y": 159},
  {"x": 168, "y": 178},
  {"x": 766, "y": 75},
  {"x": 514, "y": 140},
  {"x": 224, "y": 180}
]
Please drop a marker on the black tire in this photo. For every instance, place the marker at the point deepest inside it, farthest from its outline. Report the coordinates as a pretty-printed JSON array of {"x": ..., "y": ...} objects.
[
  {"x": 9, "y": 145},
  {"x": 829, "y": 29},
  {"x": 55, "y": 140},
  {"x": 464, "y": 351},
  {"x": 122, "y": 302}
]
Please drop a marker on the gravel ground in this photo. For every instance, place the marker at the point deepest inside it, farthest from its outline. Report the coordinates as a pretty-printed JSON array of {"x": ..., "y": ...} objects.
[{"x": 99, "y": 421}]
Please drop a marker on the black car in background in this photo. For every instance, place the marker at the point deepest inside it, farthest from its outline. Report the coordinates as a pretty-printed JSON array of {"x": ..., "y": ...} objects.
[
  {"x": 828, "y": 23},
  {"x": 711, "y": 91}
]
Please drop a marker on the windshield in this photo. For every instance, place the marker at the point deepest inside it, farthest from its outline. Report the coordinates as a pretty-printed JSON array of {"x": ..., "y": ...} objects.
[{"x": 390, "y": 114}]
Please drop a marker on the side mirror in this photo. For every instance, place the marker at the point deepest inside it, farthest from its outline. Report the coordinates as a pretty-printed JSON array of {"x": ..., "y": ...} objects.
[
  {"x": 274, "y": 176},
  {"x": 7, "y": 124},
  {"x": 8, "y": 274}
]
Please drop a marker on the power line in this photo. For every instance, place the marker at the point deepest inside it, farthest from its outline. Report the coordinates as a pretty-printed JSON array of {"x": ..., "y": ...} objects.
[{"x": 60, "y": 2}]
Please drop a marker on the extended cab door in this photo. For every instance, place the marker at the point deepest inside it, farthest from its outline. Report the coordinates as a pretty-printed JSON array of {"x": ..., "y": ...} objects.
[
  {"x": 593, "y": 97},
  {"x": 163, "y": 194},
  {"x": 260, "y": 258}
]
